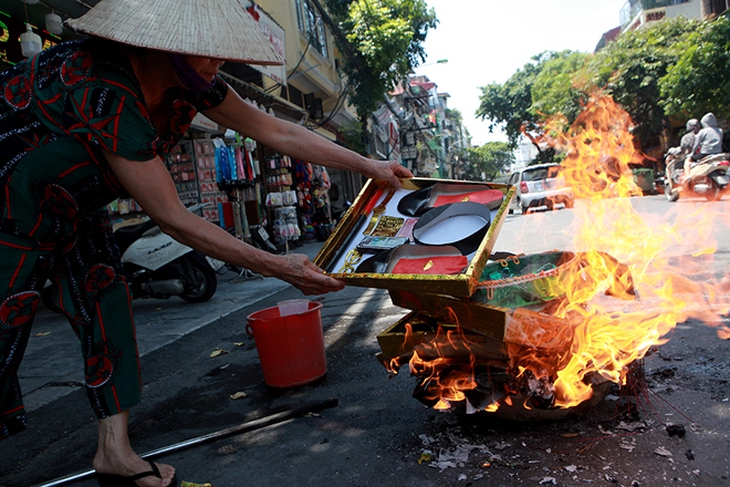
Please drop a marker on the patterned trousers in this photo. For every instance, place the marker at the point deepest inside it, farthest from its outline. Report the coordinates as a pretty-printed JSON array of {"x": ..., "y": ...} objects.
[{"x": 89, "y": 289}]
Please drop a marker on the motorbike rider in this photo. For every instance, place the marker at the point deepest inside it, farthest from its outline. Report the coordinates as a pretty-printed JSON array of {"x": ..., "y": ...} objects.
[
  {"x": 688, "y": 140},
  {"x": 709, "y": 139},
  {"x": 707, "y": 142},
  {"x": 686, "y": 143}
]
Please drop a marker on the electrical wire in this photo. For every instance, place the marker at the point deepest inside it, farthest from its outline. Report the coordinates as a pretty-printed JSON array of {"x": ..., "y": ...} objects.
[
  {"x": 335, "y": 110},
  {"x": 301, "y": 59}
]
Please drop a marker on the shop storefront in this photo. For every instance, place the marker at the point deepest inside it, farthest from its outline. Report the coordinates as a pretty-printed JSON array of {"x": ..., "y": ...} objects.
[{"x": 251, "y": 191}]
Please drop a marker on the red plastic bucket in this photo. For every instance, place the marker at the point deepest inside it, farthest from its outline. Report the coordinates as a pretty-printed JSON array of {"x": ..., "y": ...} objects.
[{"x": 290, "y": 348}]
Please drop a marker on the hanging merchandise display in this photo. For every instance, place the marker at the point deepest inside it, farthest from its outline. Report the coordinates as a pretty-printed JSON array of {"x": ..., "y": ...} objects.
[
  {"x": 303, "y": 173},
  {"x": 181, "y": 165},
  {"x": 236, "y": 172},
  {"x": 312, "y": 194},
  {"x": 321, "y": 202},
  {"x": 234, "y": 163},
  {"x": 286, "y": 224},
  {"x": 225, "y": 163},
  {"x": 321, "y": 186},
  {"x": 206, "y": 178},
  {"x": 281, "y": 199}
]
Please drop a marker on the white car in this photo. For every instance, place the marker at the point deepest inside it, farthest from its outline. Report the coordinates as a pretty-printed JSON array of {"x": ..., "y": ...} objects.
[{"x": 539, "y": 186}]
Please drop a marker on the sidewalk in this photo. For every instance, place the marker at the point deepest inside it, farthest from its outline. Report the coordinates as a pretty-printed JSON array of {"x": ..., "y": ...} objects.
[{"x": 52, "y": 366}]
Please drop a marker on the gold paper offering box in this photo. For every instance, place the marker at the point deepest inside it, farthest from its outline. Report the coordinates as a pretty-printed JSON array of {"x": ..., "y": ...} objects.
[
  {"x": 418, "y": 330},
  {"x": 432, "y": 235},
  {"x": 527, "y": 327}
]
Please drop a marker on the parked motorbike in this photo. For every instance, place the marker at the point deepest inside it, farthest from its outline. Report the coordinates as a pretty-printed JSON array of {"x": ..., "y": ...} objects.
[
  {"x": 707, "y": 178},
  {"x": 158, "y": 266},
  {"x": 261, "y": 240}
]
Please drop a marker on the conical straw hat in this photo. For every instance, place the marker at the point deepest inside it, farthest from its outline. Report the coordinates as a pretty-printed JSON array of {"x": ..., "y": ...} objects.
[{"x": 220, "y": 29}]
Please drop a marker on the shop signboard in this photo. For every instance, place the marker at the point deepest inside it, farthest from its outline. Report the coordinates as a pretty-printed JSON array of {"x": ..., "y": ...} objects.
[
  {"x": 409, "y": 152},
  {"x": 201, "y": 122},
  {"x": 10, "y": 30}
]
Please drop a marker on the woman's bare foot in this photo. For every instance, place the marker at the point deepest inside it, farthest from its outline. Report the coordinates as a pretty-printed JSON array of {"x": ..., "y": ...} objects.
[{"x": 114, "y": 454}]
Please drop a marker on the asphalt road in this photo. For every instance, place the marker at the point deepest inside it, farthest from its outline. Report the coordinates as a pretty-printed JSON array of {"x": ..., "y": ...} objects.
[{"x": 378, "y": 435}]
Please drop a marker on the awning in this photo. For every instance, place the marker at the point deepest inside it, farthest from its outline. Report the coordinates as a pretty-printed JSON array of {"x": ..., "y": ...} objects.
[{"x": 282, "y": 107}]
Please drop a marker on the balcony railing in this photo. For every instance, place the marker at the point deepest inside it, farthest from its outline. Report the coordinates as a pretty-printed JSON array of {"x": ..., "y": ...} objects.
[{"x": 632, "y": 8}]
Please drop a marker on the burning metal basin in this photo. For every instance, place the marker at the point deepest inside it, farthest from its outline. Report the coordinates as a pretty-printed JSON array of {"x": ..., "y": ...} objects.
[
  {"x": 497, "y": 359},
  {"x": 454, "y": 364}
]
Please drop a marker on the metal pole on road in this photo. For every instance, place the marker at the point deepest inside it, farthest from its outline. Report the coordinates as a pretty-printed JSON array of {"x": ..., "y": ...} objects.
[{"x": 255, "y": 424}]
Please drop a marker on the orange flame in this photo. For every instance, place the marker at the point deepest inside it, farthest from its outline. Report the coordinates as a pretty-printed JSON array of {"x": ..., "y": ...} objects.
[
  {"x": 606, "y": 340},
  {"x": 620, "y": 250},
  {"x": 450, "y": 387}
]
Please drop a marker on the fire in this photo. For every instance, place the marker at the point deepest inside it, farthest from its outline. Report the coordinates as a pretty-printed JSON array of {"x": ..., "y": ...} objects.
[
  {"x": 619, "y": 251},
  {"x": 606, "y": 339},
  {"x": 445, "y": 375}
]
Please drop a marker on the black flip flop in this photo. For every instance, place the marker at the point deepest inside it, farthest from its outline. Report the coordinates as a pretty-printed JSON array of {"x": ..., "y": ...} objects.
[
  {"x": 377, "y": 264},
  {"x": 112, "y": 480},
  {"x": 418, "y": 202}
]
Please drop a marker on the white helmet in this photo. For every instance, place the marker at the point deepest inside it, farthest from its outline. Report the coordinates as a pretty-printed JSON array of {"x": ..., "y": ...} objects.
[{"x": 692, "y": 123}]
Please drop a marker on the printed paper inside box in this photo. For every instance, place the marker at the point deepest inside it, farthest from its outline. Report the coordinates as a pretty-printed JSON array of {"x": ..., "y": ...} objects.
[{"x": 429, "y": 231}]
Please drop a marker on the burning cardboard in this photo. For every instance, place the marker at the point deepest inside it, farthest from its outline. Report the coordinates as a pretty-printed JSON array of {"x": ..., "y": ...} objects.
[
  {"x": 421, "y": 331},
  {"x": 453, "y": 364}
]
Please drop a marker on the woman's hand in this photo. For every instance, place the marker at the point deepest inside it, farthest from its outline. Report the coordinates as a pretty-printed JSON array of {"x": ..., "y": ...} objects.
[
  {"x": 389, "y": 171},
  {"x": 298, "y": 270}
]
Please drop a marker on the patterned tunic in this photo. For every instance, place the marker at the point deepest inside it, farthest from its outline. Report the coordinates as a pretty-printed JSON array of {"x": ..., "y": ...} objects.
[{"x": 58, "y": 112}]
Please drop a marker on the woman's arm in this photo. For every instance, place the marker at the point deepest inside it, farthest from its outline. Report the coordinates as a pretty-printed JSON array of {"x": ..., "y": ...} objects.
[
  {"x": 150, "y": 184},
  {"x": 296, "y": 141}
]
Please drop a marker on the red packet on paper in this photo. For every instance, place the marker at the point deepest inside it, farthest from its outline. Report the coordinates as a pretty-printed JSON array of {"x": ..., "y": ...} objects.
[
  {"x": 482, "y": 197},
  {"x": 449, "y": 264}
]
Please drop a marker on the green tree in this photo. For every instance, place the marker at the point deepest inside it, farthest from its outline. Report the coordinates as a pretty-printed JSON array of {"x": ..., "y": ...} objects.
[
  {"x": 630, "y": 70},
  {"x": 544, "y": 87},
  {"x": 382, "y": 42},
  {"x": 699, "y": 81},
  {"x": 457, "y": 119},
  {"x": 352, "y": 135},
  {"x": 559, "y": 88},
  {"x": 508, "y": 106},
  {"x": 488, "y": 161},
  {"x": 659, "y": 75}
]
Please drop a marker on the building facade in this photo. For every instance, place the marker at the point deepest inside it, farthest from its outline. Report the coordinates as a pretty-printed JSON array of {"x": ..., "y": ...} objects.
[
  {"x": 272, "y": 192},
  {"x": 636, "y": 14},
  {"x": 431, "y": 137}
]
